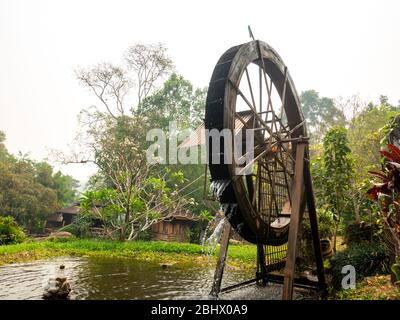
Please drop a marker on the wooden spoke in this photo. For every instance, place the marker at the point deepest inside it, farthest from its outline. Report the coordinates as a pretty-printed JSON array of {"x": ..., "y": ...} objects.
[
  {"x": 251, "y": 107},
  {"x": 260, "y": 88},
  {"x": 250, "y": 87},
  {"x": 247, "y": 126},
  {"x": 263, "y": 153},
  {"x": 284, "y": 93}
]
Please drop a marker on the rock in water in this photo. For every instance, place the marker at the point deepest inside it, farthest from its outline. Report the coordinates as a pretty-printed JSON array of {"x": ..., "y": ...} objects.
[{"x": 58, "y": 287}]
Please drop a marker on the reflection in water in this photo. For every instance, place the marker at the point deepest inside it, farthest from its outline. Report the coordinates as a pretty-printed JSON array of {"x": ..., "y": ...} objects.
[{"x": 113, "y": 278}]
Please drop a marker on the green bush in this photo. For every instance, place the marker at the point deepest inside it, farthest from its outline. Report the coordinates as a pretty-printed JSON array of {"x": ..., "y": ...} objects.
[
  {"x": 368, "y": 259},
  {"x": 361, "y": 232},
  {"x": 10, "y": 232},
  {"x": 80, "y": 227},
  {"x": 326, "y": 225}
]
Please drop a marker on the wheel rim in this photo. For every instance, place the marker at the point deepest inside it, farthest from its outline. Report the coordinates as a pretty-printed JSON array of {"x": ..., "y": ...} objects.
[{"x": 254, "y": 201}]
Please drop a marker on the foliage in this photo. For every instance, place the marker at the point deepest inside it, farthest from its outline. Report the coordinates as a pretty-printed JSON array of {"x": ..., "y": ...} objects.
[
  {"x": 387, "y": 194},
  {"x": 134, "y": 206},
  {"x": 320, "y": 113},
  {"x": 159, "y": 251},
  {"x": 10, "y": 232},
  {"x": 66, "y": 188},
  {"x": 395, "y": 268},
  {"x": 326, "y": 224},
  {"x": 362, "y": 232},
  {"x": 128, "y": 194},
  {"x": 368, "y": 258},
  {"x": 333, "y": 173},
  {"x": 80, "y": 227},
  {"x": 370, "y": 288},
  {"x": 206, "y": 215},
  {"x": 196, "y": 231},
  {"x": 29, "y": 191},
  {"x": 176, "y": 101},
  {"x": 365, "y": 134}
]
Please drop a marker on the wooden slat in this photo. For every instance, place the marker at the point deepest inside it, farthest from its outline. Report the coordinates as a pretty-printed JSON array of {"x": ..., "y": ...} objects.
[
  {"x": 223, "y": 251},
  {"x": 295, "y": 221}
]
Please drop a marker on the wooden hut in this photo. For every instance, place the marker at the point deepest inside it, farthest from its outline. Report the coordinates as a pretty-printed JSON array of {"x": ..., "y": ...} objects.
[
  {"x": 62, "y": 217},
  {"x": 66, "y": 216},
  {"x": 174, "y": 227}
]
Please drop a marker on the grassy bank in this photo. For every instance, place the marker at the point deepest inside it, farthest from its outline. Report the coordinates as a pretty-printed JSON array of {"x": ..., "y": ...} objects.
[
  {"x": 371, "y": 288},
  {"x": 242, "y": 256}
]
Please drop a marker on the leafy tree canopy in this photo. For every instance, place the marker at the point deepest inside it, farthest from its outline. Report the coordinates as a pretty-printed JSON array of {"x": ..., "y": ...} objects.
[
  {"x": 320, "y": 113},
  {"x": 29, "y": 191}
]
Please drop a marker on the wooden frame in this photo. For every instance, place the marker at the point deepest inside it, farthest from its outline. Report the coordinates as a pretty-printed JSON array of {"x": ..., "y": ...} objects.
[{"x": 302, "y": 187}]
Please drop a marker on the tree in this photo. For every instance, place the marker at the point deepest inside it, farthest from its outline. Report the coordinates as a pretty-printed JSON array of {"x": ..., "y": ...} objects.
[
  {"x": 65, "y": 187},
  {"x": 150, "y": 63},
  {"x": 115, "y": 140},
  {"x": 127, "y": 213},
  {"x": 351, "y": 106},
  {"x": 365, "y": 136},
  {"x": 23, "y": 197},
  {"x": 28, "y": 191},
  {"x": 178, "y": 101},
  {"x": 111, "y": 84},
  {"x": 129, "y": 197},
  {"x": 320, "y": 113},
  {"x": 384, "y": 101},
  {"x": 2, "y": 139},
  {"x": 333, "y": 174}
]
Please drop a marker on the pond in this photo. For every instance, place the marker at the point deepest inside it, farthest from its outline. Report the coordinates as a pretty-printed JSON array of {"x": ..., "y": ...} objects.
[{"x": 117, "y": 278}]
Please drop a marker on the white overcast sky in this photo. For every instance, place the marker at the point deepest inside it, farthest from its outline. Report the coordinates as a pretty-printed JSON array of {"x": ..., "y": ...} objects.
[{"x": 338, "y": 48}]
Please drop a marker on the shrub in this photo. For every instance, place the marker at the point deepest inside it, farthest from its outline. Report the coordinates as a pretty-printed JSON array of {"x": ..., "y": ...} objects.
[
  {"x": 10, "y": 232},
  {"x": 361, "y": 232},
  {"x": 326, "y": 225},
  {"x": 368, "y": 259},
  {"x": 80, "y": 227}
]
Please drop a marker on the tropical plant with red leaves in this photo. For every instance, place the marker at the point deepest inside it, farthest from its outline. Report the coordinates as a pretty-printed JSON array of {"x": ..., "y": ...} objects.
[{"x": 387, "y": 193}]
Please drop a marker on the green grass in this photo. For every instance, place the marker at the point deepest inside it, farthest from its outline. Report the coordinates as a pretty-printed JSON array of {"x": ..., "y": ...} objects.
[{"x": 239, "y": 255}]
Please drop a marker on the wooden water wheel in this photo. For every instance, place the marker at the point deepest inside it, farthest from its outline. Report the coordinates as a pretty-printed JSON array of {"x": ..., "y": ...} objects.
[{"x": 264, "y": 196}]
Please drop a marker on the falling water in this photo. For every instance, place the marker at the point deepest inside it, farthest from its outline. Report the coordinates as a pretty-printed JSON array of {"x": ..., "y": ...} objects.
[
  {"x": 210, "y": 244},
  {"x": 217, "y": 188}
]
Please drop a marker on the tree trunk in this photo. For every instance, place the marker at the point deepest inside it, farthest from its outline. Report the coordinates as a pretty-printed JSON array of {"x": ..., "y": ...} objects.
[
  {"x": 356, "y": 210},
  {"x": 334, "y": 237}
]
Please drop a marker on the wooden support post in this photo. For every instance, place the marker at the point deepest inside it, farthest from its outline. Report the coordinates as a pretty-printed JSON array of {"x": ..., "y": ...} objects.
[
  {"x": 219, "y": 270},
  {"x": 294, "y": 221},
  {"x": 262, "y": 275},
  {"x": 314, "y": 228}
]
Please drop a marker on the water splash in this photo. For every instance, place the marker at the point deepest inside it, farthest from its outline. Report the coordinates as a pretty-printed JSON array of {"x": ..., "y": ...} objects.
[
  {"x": 217, "y": 188},
  {"x": 210, "y": 244}
]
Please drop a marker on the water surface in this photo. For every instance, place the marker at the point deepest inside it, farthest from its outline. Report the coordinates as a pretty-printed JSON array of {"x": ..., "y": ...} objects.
[{"x": 119, "y": 278}]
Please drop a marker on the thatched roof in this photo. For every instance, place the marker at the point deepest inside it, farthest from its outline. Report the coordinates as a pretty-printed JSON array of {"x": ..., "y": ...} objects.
[
  {"x": 74, "y": 209},
  {"x": 55, "y": 217}
]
